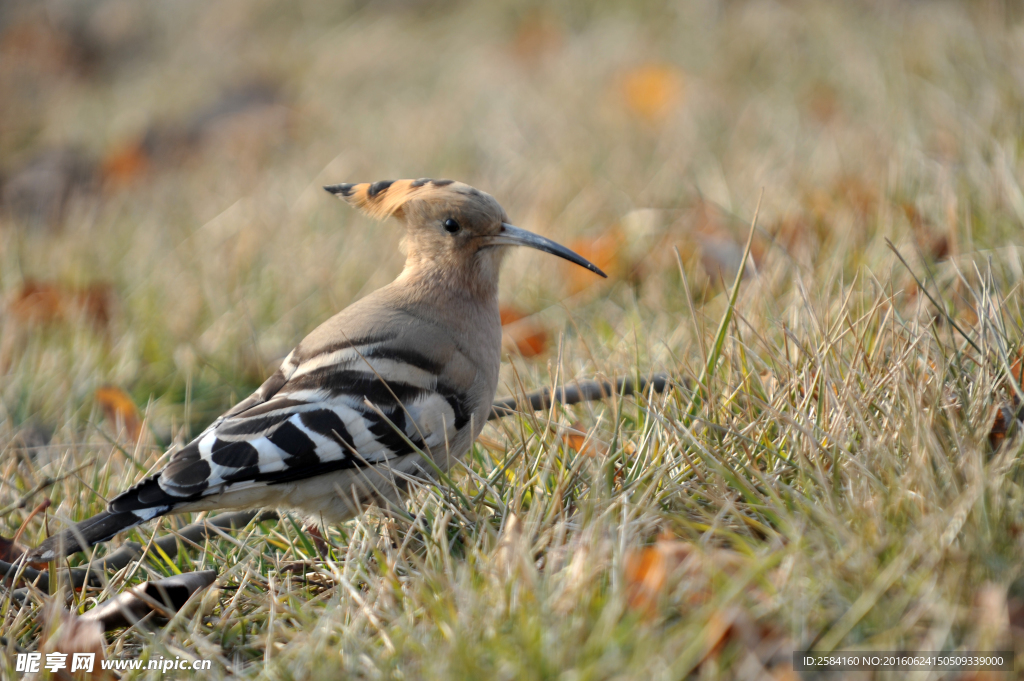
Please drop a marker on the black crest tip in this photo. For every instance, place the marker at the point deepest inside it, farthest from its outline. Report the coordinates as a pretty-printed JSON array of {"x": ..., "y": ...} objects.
[{"x": 342, "y": 189}]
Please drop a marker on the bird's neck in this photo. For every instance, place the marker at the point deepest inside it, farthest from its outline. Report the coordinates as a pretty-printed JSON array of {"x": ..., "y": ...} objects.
[
  {"x": 449, "y": 284},
  {"x": 458, "y": 296},
  {"x": 465, "y": 307}
]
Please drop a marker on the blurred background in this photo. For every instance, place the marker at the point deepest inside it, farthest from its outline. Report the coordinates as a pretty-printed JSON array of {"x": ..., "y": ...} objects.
[{"x": 165, "y": 239}]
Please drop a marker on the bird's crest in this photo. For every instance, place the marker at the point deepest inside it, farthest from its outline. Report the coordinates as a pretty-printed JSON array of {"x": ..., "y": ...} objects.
[{"x": 385, "y": 199}]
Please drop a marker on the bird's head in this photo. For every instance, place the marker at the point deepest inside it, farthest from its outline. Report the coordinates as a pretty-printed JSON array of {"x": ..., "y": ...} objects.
[{"x": 452, "y": 228}]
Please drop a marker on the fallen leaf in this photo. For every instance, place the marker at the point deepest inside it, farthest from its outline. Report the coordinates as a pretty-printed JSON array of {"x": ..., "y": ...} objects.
[
  {"x": 38, "y": 302},
  {"x": 575, "y": 438},
  {"x": 522, "y": 333},
  {"x": 651, "y": 91},
  {"x": 647, "y": 571},
  {"x": 1008, "y": 419},
  {"x": 997, "y": 434},
  {"x": 125, "y": 165},
  {"x": 120, "y": 410},
  {"x": 652, "y": 571},
  {"x": 606, "y": 251}
]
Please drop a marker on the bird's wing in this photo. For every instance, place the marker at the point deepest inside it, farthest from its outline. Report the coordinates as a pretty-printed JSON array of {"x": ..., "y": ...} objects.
[{"x": 328, "y": 408}]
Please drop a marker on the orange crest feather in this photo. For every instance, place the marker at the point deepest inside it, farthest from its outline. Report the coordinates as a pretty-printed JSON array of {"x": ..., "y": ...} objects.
[{"x": 384, "y": 199}]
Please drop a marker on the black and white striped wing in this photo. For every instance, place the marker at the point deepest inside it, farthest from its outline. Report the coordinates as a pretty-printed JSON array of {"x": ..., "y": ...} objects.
[{"x": 315, "y": 417}]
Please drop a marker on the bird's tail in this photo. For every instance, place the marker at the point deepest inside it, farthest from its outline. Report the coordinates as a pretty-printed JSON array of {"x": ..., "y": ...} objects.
[
  {"x": 143, "y": 502},
  {"x": 82, "y": 535}
]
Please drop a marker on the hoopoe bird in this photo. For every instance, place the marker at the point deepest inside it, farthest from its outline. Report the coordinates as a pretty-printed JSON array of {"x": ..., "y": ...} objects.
[{"x": 408, "y": 371}]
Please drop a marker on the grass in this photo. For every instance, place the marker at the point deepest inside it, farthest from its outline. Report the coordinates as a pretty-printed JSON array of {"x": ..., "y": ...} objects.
[{"x": 823, "y": 475}]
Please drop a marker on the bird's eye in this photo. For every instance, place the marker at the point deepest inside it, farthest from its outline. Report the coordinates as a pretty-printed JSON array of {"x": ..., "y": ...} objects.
[{"x": 451, "y": 226}]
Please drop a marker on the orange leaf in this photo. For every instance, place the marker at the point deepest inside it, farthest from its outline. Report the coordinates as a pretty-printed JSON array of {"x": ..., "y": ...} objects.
[
  {"x": 510, "y": 314},
  {"x": 39, "y": 302},
  {"x": 577, "y": 441},
  {"x": 528, "y": 337},
  {"x": 120, "y": 410},
  {"x": 647, "y": 572},
  {"x": 125, "y": 165},
  {"x": 1006, "y": 421},
  {"x": 998, "y": 431},
  {"x": 605, "y": 251},
  {"x": 651, "y": 91},
  {"x": 652, "y": 570}
]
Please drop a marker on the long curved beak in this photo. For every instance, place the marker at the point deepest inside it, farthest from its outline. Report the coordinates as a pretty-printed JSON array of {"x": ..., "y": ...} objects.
[{"x": 511, "y": 235}]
